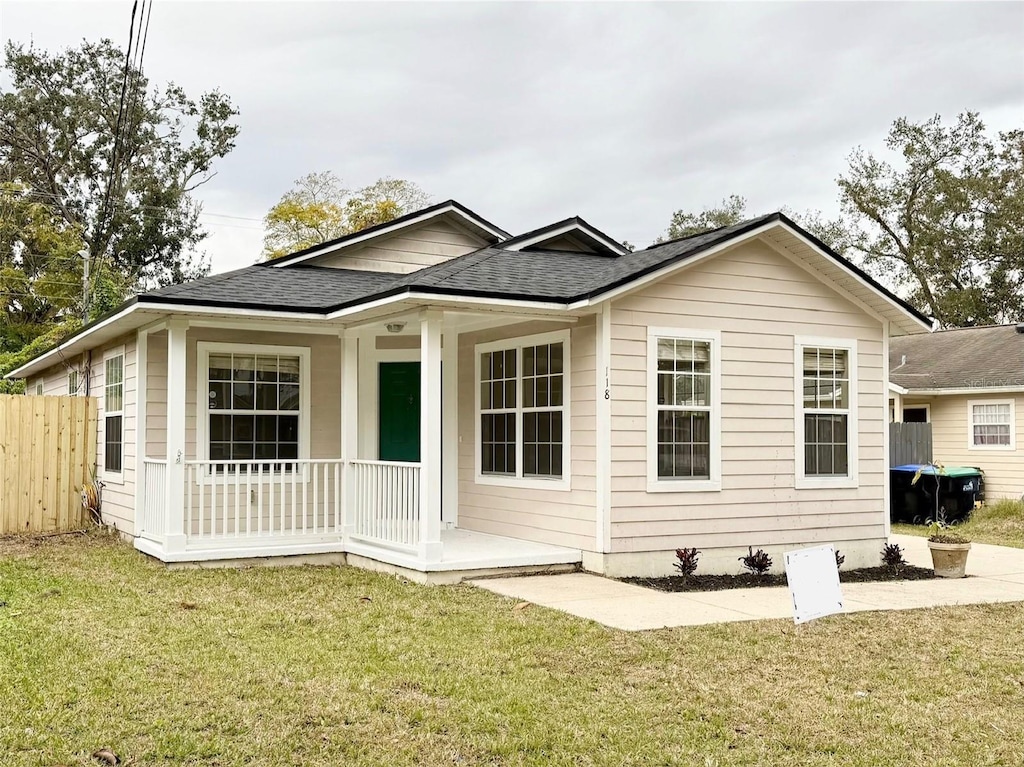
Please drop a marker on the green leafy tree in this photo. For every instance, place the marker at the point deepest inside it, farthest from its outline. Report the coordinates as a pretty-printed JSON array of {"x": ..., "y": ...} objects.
[
  {"x": 730, "y": 211},
  {"x": 120, "y": 173},
  {"x": 320, "y": 208},
  {"x": 944, "y": 222}
]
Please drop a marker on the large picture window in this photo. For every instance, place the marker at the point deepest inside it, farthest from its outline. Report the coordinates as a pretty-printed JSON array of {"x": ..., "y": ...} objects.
[
  {"x": 254, "y": 404},
  {"x": 991, "y": 425},
  {"x": 827, "y": 404},
  {"x": 113, "y": 413},
  {"x": 683, "y": 410},
  {"x": 523, "y": 400}
]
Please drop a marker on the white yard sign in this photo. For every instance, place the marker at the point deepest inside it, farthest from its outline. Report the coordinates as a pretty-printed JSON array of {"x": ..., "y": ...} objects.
[{"x": 813, "y": 583}]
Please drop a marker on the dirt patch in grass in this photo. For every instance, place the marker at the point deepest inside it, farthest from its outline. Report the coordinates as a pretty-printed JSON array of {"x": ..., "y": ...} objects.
[{"x": 749, "y": 580}]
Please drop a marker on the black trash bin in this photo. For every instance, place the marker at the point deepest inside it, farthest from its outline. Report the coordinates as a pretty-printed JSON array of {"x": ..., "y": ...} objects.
[{"x": 960, "y": 488}]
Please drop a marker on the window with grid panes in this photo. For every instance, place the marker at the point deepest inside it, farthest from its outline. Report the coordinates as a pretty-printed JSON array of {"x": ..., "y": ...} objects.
[
  {"x": 253, "y": 408},
  {"x": 684, "y": 408},
  {"x": 113, "y": 414},
  {"x": 991, "y": 424},
  {"x": 522, "y": 411},
  {"x": 826, "y": 412}
]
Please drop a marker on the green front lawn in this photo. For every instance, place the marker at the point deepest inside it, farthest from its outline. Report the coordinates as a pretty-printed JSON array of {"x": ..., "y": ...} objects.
[
  {"x": 998, "y": 522},
  {"x": 337, "y": 666}
]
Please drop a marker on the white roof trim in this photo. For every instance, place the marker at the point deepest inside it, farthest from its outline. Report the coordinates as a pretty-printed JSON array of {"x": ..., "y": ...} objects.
[
  {"x": 389, "y": 230},
  {"x": 569, "y": 229},
  {"x": 897, "y": 388}
]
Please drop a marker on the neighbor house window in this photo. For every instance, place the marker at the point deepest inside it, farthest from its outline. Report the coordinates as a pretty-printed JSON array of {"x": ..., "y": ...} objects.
[
  {"x": 991, "y": 425},
  {"x": 523, "y": 408},
  {"x": 73, "y": 382},
  {"x": 684, "y": 432},
  {"x": 113, "y": 413},
  {"x": 827, "y": 403},
  {"x": 254, "y": 404},
  {"x": 39, "y": 388}
]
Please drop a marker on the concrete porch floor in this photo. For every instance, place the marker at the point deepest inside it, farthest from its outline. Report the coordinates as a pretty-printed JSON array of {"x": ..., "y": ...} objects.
[{"x": 996, "y": 574}]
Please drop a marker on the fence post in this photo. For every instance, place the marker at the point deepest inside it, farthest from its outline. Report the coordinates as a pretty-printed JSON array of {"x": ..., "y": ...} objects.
[{"x": 177, "y": 331}]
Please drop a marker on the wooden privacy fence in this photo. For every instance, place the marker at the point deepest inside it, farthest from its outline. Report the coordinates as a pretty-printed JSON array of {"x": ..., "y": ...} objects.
[
  {"x": 47, "y": 452},
  {"x": 910, "y": 443}
]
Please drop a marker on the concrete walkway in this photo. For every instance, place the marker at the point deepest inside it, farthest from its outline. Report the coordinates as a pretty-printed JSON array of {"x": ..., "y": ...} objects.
[{"x": 996, "y": 575}]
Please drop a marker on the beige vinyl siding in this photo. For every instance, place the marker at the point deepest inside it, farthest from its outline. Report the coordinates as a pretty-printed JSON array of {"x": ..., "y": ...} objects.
[
  {"x": 760, "y": 301},
  {"x": 565, "y": 518},
  {"x": 118, "y": 498},
  {"x": 565, "y": 242},
  {"x": 156, "y": 398},
  {"x": 431, "y": 243},
  {"x": 118, "y": 492},
  {"x": 950, "y": 419}
]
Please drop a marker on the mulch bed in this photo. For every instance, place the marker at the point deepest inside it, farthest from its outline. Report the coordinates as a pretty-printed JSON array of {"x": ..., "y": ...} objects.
[{"x": 748, "y": 580}]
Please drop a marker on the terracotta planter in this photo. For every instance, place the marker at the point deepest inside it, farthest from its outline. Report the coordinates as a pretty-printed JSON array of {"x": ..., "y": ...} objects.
[{"x": 949, "y": 559}]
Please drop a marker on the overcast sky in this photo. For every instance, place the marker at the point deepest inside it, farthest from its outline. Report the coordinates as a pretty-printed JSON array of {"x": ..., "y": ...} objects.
[{"x": 528, "y": 113}]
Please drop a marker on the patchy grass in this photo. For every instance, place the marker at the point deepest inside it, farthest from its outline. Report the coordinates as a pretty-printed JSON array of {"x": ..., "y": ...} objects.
[
  {"x": 329, "y": 666},
  {"x": 998, "y": 522}
]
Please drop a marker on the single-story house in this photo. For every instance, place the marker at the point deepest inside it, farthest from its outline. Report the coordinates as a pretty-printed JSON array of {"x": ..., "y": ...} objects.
[
  {"x": 437, "y": 395},
  {"x": 968, "y": 384}
]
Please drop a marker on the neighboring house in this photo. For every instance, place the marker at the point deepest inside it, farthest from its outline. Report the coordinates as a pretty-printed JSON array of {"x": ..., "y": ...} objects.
[
  {"x": 969, "y": 384},
  {"x": 436, "y": 395}
]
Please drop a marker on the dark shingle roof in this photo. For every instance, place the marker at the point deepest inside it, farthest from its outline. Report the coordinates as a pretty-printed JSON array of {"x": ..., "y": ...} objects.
[
  {"x": 540, "y": 275},
  {"x": 965, "y": 358},
  {"x": 300, "y": 288}
]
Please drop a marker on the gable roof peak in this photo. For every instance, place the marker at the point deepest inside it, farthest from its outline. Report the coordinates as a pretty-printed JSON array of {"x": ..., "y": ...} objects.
[{"x": 574, "y": 227}]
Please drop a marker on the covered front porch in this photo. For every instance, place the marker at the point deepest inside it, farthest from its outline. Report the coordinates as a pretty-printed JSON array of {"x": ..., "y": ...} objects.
[{"x": 264, "y": 439}]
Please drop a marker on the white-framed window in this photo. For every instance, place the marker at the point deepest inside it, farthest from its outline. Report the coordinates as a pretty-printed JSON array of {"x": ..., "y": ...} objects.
[
  {"x": 991, "y": 425},
  {"x": 522, "y": 405},
  {"x": 73, "y": 381},
  {"x": 826, "y": 412},
  {"x": 684, "y": 410},
  {"x": 253, "y": 405},
  {"x": 39, "y": 388},
  {"x": 113, "y": 413}
]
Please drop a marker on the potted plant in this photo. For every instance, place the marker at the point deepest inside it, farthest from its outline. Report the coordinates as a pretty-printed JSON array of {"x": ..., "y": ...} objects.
[{"x": 948, "y": 548}]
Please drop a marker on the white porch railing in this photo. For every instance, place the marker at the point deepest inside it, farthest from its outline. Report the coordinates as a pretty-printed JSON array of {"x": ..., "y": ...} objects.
[
  {"x": 278, "y": 499},
  {"x": 153, "y": 519},
  {"x": 386, "y": 498}
]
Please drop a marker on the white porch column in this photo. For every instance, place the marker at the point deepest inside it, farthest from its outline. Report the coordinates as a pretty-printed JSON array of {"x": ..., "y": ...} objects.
[
  {"x": 349, "y": 426},
  {"x": 450, "y": 426},
  {"x": 141, "y": 386},
  {"x": 177, "y": 331},
  {"x": 430, "y": 434}
]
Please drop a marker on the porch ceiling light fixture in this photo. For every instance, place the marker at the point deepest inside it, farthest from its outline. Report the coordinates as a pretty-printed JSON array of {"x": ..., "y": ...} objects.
[{"x": 395, "y": 327}]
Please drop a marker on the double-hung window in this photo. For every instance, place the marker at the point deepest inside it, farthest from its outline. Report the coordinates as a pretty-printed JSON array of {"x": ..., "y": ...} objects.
[
  {"x": 72, "y": 383},
  {"x": 826, "y": 451},
  {"x": 991, "y": 425},
  {"x": 523, "y": 396},
  {"x": 683, "y": 410},
  {"x": 254, "y": 408},
  {"x": 113, "y": 412}
]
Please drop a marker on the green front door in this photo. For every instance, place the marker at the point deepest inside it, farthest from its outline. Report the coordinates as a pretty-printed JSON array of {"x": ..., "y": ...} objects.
[{"x": 398, "y": 422}]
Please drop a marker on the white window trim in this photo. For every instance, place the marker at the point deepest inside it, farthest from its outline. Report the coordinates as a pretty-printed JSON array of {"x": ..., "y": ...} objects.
[
  {"x": 970, "y": 425},
  {"x": 39, "y": 388},
  {"x": 683, "y": 485},
  {"x": 927, "y": 412},
  {"x": 204, "y": 349},
  {"x": 115, "y": 477},
  {"x": 539, "y": 483},
  {"x": 803, "y": 482},
  {"x": 73, "y": 391}
]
